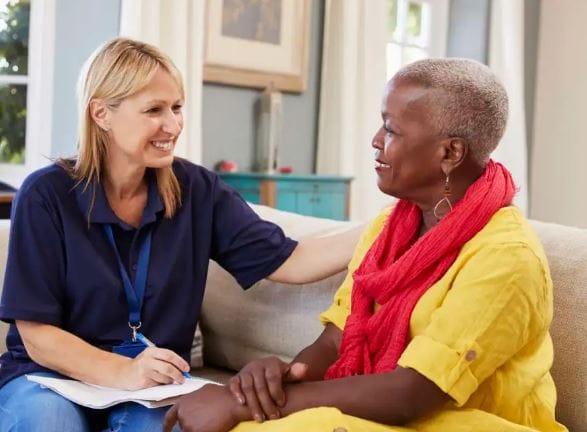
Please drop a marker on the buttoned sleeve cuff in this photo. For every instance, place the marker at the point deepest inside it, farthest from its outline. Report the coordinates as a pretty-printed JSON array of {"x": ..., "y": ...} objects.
[{"x": 447, "y": 367}]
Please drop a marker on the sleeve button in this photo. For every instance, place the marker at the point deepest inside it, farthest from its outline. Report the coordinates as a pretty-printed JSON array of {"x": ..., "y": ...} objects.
[{"x": 471, "y": 355}]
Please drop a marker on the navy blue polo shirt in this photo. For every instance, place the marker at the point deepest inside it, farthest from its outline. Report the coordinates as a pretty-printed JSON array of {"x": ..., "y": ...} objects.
[{"x": 61, "y": 268}]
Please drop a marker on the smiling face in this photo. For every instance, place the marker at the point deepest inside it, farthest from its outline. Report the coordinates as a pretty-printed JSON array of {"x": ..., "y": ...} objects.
[
  {"x": 144, "y": 128},
  {"x": 408, "y": 149}
]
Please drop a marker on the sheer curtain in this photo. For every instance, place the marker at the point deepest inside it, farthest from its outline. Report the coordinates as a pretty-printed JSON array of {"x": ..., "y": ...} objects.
[
  {"x": 506, "y": 59},
  {"x": 177, "y": 27},
  {"x": 353, "y": 76},
  {"x": 560, "y": 145}
]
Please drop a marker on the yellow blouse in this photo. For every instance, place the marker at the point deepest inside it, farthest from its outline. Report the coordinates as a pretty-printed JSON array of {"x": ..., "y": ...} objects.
[{"x": 480, "y": 333}]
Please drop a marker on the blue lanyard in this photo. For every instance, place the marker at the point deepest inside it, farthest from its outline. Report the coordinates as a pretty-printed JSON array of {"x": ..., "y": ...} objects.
[{"x": 135, "y": 293}]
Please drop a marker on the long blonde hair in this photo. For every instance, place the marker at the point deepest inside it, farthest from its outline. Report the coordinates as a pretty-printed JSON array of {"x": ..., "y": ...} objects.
[{"x": 116, "y": 70}]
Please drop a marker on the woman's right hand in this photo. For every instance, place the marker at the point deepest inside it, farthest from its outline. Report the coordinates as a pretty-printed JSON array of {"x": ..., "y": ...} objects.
[
  {"x": 259, "y": 385},
  {"x": 68, "y": 354},
  {"x": 154, "y": 366}
]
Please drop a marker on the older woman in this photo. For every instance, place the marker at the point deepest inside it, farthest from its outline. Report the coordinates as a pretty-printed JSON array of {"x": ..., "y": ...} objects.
[
  {"x": 113, "y": 246},
  {"x": 442, "y": 322}
]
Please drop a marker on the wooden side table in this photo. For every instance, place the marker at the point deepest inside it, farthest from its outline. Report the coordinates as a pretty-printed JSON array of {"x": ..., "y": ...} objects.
[{"x": 312, "y": 195}]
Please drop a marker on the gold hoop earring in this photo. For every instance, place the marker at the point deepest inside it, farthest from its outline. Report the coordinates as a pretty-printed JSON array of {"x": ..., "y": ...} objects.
[{"x": 444, "y": 206}]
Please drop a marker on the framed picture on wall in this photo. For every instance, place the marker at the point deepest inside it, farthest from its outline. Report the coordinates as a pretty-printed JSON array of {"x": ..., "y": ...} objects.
[{"x": 258, "y": 43}]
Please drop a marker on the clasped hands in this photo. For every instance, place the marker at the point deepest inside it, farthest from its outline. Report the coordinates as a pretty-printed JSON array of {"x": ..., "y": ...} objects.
[{"x": 256, "y": 392}]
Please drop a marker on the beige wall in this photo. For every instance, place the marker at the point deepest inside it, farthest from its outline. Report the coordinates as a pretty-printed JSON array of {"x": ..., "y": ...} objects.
[{"x": 559, "y": 156}]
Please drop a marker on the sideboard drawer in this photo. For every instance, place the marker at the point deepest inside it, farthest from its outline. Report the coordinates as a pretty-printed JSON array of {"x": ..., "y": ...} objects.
[
  {"x": 248, "y": 188},
  {"x": 311, "y": 195}
]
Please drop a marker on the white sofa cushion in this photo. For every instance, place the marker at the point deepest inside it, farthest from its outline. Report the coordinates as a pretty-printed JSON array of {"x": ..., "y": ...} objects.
[
  {"x": 270, "y": 318},
  {"x": 566, "y": 249}
]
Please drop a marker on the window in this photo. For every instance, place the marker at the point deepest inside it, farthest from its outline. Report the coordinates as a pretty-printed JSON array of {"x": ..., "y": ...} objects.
[
  {"x": 417, "y": 29},
  {"x": 25, "y": 82},
  {"x": 14, "y": 41}
]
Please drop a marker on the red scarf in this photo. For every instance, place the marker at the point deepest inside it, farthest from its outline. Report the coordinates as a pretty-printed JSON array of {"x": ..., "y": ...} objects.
[{"x": 399, "y": 268}]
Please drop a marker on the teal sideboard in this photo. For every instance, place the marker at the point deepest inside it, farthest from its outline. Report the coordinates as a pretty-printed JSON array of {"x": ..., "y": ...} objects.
[{"x": 312, "y": 195}]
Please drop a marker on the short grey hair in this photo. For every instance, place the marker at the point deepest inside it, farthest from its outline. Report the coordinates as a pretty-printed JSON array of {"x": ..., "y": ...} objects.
[{"x": 468, "y": 100}]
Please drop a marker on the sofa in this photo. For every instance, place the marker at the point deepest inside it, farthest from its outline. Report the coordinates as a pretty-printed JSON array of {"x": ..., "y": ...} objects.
[{"x": 277, "y": 319}]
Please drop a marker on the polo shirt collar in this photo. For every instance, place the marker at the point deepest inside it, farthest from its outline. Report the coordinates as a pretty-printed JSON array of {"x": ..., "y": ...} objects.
[
  {"x": 154, "y": 202},
  {"x": 102, "y": 212}
]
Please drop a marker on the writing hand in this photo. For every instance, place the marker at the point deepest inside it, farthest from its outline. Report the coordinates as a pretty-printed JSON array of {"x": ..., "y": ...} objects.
[{"x": 154, "y": 366}]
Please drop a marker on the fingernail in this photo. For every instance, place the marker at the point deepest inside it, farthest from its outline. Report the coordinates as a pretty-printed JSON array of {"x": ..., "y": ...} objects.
[
  {"x": 241, "y": 400},
  {"x": 258, "y": 418},
  {"x": 274, "y": 416}
]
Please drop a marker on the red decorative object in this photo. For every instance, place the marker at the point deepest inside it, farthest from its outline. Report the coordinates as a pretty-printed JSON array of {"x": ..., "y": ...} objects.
[{"x": 226, "y": 166}]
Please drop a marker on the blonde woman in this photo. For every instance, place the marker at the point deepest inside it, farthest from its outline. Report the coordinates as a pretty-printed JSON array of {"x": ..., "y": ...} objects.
[{"x": 114, "y": 244}]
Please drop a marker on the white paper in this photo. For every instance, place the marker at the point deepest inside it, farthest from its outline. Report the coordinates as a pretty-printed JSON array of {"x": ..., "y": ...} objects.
[{"x": 93, "y": 396}]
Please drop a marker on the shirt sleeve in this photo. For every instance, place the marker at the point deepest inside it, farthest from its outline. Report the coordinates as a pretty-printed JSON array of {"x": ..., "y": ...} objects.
[
  {"x": 35, "y": 268},
  {"x": 245, "y": 245},
  {"x": 498, "y": 302},
  {"x": 341, "y": 306}
]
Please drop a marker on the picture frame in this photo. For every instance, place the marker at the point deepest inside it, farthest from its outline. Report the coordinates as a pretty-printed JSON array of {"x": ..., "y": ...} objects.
[{"x": 258, "y": 44}]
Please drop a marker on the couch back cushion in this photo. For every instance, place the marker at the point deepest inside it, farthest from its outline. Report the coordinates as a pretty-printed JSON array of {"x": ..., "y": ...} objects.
[
  {"x": 269, "y": 318},
  {"x": 566, "y": 249}
]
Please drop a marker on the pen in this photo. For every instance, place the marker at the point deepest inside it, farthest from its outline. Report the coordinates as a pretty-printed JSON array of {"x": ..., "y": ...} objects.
[{"x": 148, "y": 342}]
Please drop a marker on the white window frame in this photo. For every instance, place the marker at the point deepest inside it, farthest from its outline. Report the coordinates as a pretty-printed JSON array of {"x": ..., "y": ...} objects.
[
  {"x": 39, "y": 83},
  {"x": 434, "y": 28}
]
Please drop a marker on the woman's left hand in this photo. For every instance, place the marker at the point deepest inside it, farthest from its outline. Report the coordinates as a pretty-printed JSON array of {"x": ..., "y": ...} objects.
[
  {"x": 210, "y": 409},
  {"x": 260, "y": 386}
]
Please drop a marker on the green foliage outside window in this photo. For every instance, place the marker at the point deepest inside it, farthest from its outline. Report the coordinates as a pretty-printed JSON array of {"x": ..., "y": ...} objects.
[
  {"x": 413, "y": 25},
  {"x": 414, "y": 19},
  {"x": 14, "y": 37},
  {"x": 392, "y": 16}
]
